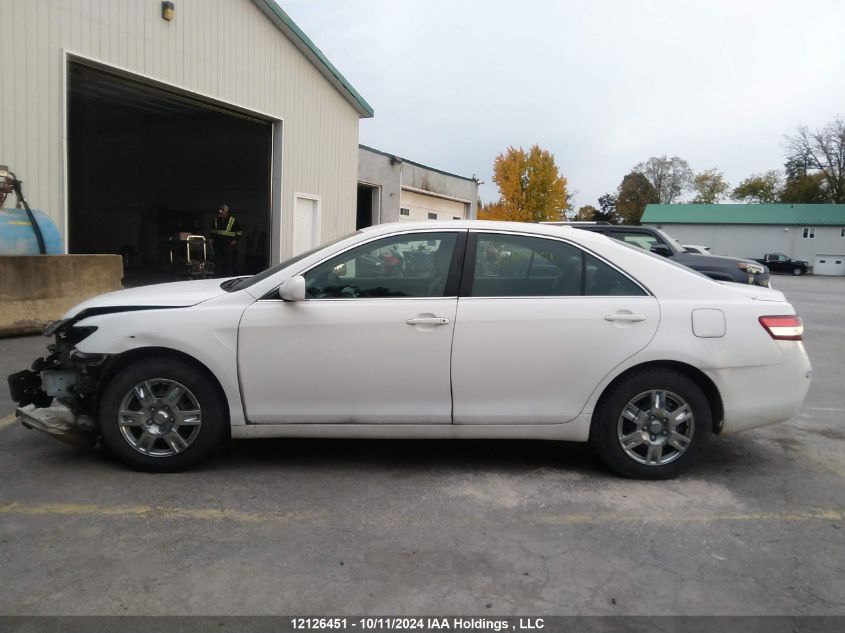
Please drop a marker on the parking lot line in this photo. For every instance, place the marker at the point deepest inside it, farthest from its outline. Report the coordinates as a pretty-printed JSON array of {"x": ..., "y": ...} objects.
[
  {"x": 809, "y": 515},
  {"x": 9, "y": 420},
  {"x": 202, "y": 514},
  {"x": 238, "y": 516}
]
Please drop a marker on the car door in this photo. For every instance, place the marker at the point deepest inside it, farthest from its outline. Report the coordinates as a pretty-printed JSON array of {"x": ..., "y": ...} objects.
[
  {"x": 540, "y": 323},
  {"x": 370, "y": 344}
]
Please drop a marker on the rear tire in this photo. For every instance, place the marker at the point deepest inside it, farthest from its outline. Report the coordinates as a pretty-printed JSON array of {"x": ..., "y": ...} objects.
[
  {"x": 653, "y": 424},
  {"x": 162, "y": 416}
]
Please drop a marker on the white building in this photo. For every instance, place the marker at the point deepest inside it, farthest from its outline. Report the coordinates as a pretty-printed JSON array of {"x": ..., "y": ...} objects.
[
  {"x": 392, "y": 188},
  {"x": 812, "y": 232},
  {"x": 130, "y": 123}
]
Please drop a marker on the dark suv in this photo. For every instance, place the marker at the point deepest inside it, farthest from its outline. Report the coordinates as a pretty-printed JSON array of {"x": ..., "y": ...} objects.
[{"x": 744, "y": 271}]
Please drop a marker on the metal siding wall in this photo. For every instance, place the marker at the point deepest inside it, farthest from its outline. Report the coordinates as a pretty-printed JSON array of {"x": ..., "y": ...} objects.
[
  {"x": 745, "y": 240},
  {"x": 225, "y": 49}
]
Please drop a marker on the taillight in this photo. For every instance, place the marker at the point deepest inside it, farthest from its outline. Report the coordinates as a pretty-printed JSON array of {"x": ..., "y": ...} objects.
[{"x": 783, "y": 327}]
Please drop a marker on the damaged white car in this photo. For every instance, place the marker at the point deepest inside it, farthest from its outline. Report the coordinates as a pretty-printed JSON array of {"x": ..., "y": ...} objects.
[{"x": 464, "y": 329}]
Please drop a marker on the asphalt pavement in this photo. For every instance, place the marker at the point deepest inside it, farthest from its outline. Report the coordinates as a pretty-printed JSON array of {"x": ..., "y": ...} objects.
[{"x": 438, "y": 527}]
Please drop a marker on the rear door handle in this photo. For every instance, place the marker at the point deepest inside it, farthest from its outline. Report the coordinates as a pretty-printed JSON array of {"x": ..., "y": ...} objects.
[
  {"x": 427, "y": 321},
  {"x": 630, "y": 318}
]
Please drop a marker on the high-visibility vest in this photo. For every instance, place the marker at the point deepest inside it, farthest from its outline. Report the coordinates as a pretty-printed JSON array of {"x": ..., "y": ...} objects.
[{"x": 227, "y": 232}]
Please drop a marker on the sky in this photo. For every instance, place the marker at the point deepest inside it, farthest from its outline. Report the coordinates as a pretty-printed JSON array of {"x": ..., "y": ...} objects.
[{"x": 602, "y": 84}]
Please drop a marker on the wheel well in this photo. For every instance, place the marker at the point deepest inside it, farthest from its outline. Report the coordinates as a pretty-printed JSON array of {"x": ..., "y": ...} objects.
[
  {"x": 119, "y": 362},
  {"x": 693, "y": 373}
]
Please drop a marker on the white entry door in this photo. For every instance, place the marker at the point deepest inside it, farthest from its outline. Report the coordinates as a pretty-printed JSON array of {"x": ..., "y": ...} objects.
[{"x": 306, "y": 224}]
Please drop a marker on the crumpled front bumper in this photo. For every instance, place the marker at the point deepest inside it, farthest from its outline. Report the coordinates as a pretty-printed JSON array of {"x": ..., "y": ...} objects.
[
  {"x": 57, "y": 421},
  {"x": 56, "y": 396}
]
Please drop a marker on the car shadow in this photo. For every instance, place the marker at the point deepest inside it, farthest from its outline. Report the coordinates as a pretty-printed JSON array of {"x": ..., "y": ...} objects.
[{"x": 412, "y": 456}]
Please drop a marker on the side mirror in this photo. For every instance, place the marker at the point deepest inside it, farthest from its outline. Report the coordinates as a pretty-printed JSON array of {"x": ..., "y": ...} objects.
[
  {"x": 661, "y": 249},
  {"x": 293, "y": 289},
  {"x": 340, "y": 270}
]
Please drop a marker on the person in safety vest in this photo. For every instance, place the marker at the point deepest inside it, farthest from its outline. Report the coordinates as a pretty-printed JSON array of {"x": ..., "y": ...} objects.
[{"x": 226, "y": 233}]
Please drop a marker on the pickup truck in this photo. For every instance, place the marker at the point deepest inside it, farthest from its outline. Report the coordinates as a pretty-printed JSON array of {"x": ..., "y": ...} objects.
[
  {"x": 780, "y": 263},
  {"x": 744, "y": 271}
]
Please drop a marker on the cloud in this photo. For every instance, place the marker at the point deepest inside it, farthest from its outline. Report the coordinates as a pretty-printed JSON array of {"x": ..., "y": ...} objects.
[{"x": 603, "y": 85}]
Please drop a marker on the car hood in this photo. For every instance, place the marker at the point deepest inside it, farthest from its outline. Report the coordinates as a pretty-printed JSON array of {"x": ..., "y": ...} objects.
[
  {"x": 755, "y": 292},
  {"x": 179, "y": 294}
]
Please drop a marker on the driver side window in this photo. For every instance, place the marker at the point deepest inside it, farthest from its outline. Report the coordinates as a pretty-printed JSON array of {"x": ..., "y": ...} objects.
[{"x": 410, "y": 265}]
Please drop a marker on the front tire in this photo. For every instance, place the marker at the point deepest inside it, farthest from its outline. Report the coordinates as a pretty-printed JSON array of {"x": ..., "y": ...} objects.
[
  {"x": 652, "y": 424},
  {"x": 797, "y": 272},
  {"x": 162, "y": 416}
]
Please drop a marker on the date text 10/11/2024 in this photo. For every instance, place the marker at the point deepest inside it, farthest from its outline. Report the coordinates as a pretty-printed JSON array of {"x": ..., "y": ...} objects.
[{"x": 419, "y": 624}]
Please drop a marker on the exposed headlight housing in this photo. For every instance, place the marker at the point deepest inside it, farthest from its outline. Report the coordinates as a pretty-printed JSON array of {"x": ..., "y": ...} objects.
[
  {"x": 751, "y": 269},
  {"x": 54, "y": 326}
]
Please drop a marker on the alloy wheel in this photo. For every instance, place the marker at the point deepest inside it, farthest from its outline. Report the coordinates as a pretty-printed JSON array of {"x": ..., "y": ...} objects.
[
  {"x": 655, "y": 427},
  {"x": 159, "y": 417}
]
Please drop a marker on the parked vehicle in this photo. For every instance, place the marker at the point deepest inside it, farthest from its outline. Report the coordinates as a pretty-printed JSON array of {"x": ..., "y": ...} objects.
[
  {"x": 696, "y": 249},
  {"x": 641, "y": 357},
  {"x": 780, "y": 263},
  {"x": 661, "y": 243}
]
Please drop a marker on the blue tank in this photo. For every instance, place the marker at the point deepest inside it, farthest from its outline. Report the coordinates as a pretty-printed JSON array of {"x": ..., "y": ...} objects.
[{"x": 18, "y": 238}]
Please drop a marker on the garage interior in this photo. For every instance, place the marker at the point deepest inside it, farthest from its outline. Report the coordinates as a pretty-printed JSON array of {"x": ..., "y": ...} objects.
[
  {"x": 147, "y": 167},
  {"x": 368, "y": 204}
]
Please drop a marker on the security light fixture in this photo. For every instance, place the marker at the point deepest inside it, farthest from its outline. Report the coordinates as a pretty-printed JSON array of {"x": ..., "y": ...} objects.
[{"x": 168, "y": 10}]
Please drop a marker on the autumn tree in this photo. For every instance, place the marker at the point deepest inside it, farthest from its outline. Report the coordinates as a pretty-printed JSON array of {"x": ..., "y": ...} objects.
[
  {"x": 531, "y": 188},
  {"x": 709, "y": 186},
  {"x": 670, "y": 177},
  {"x": 759, "y": 188},
  {"x": 634, "y": 193},
  {"x": 491, "y": 211},
  {"x": 822, "y": 155}
]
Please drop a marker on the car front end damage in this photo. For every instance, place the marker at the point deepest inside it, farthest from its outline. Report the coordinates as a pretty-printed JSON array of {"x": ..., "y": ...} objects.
[{"x": 58, "y": 394}]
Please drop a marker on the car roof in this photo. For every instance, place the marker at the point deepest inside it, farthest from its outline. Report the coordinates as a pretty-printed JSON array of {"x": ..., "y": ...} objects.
[
  {"x": 585, "y": 238},
  {"x": 549, "y": 230}
]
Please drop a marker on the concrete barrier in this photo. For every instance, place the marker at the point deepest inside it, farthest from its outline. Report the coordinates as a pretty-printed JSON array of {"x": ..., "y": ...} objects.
[{"x": 35, "y": 290}]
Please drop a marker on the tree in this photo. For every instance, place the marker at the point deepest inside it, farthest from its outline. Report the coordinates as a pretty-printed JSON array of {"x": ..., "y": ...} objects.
[
  {"x": 811, "y": 188},
  {"x": 819, "y": 152},
  {"x": 634, "y": 193},
  {"x": 759, "y": 188},
  {"x": 607, "y": 202},
  {"x": 587, "y": 213},
  {"x": 710, "y": 186},
  {"x": 670, "y": 177},
  {"x": 492, "y": 211},
  {"x": 531, "y": 188}
]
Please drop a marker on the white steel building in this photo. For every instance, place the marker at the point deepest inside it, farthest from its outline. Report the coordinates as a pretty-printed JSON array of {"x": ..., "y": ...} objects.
[
  {"x": 133, "y": 120},
  {"x": 814, "y": 233}
]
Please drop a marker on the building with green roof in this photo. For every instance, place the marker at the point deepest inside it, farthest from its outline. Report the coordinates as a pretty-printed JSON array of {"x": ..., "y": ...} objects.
[{"x": 812, "y": 232}]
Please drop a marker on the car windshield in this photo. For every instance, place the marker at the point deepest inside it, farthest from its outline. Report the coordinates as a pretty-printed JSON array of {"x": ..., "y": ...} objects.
[
  {"x": 231, "y": 285},
  {"x": 673, "y": 243}
]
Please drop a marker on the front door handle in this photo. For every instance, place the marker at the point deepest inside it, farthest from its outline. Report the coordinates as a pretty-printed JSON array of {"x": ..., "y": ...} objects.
[
  {"x": 630, "y": 318},
  {"x": 427, "y": 321}
]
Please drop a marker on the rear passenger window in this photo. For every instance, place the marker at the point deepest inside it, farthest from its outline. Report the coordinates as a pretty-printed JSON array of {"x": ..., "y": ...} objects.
[
  {"x": 602, "y": 280},
  {"x": 520, "y": 266}
]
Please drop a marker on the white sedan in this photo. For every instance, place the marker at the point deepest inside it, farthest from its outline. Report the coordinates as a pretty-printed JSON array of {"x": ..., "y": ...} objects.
[{"x": 464, "y": 329}]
